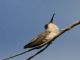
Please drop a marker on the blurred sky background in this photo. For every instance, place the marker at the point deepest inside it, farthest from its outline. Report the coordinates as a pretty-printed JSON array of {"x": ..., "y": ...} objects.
[{"x": 20, "y": 20}]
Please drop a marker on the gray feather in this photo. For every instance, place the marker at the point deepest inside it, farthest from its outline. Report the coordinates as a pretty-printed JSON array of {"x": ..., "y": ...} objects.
[{"x": 37, "y": 40}]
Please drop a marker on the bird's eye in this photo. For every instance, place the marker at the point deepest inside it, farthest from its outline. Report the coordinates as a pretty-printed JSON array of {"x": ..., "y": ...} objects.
[{"x": 46, "y": 26}]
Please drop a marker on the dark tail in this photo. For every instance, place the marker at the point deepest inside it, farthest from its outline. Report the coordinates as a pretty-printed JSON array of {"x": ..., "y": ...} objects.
[{"x": 25, "y": 47}]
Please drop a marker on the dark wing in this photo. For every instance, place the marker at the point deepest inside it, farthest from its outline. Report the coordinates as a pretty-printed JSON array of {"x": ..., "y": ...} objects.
[{"x": 37, "y": 40}]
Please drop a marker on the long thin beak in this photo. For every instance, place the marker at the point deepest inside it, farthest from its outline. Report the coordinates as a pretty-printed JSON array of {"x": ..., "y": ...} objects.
[{"x": 51, "y": 21}]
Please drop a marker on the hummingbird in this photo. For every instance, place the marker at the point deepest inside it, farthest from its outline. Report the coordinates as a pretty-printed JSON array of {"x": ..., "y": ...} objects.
[{"x": 51, "y": 30}]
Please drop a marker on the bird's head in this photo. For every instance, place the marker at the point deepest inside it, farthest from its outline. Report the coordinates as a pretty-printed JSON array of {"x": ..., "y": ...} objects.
[{"x": 51, "y": 25}]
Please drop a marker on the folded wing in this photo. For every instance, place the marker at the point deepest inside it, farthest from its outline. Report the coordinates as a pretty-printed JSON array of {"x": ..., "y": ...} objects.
[{"x": 37, "y": 40}]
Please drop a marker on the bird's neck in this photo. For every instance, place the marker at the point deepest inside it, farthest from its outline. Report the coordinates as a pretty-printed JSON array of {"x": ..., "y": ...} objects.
[
  {"x": 53, "y": 29},
  {"x": 49, "y": 29}
]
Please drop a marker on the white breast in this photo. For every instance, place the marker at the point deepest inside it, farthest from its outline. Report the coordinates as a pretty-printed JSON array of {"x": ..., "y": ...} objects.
[
  {"x": 54, "y": 30},
  {"x": 52, "y": 35}
]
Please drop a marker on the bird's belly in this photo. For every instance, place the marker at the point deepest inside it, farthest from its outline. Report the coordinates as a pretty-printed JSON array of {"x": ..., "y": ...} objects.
[{"x": 51, "y": 36}]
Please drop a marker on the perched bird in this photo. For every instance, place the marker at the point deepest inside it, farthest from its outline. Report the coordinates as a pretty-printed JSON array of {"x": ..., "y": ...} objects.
[{"x": 51, "y": 30}]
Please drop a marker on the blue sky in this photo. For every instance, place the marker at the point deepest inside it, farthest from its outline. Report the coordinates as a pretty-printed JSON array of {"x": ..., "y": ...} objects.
[{"x": 20, "y": 20}]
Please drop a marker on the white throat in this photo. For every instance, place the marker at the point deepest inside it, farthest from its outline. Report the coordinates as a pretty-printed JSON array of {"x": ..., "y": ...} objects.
[{"x": 52, "y": 27}]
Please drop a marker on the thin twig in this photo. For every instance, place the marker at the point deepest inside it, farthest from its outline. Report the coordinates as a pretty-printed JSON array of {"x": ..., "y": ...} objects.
[
  {"x": 66, "y": 29},
  {"x": 39, "y": 52},
  {"x": 37, "y": 47}
]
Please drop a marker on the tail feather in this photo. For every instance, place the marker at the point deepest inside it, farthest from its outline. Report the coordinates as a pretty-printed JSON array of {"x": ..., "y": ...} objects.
[{"x": 27, "y": 46}]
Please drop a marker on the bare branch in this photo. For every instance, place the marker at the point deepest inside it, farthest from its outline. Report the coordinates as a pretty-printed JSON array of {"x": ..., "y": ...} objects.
[
  {"x": 39, "y": 51},
  {"x": 67, "y": 28},
  {"x": 47, "y": 43},
  {"x": 37, "y": 47}
]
